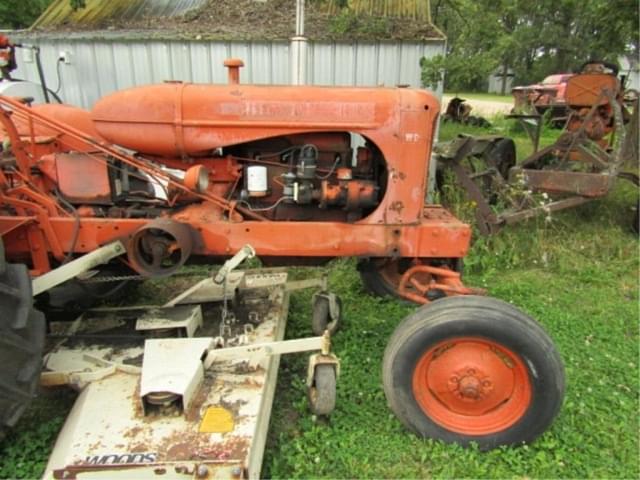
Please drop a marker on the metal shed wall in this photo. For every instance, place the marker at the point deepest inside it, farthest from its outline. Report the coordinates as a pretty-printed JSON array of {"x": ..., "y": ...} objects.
[{"x": 98, "y": 67}]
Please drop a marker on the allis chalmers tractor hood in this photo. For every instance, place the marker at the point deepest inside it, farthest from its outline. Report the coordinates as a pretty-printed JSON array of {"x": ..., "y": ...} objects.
[{"x": 177, "y": 119}]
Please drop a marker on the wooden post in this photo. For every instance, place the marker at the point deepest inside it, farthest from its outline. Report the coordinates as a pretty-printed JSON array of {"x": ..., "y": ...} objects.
[{"x": 505, "y": 71}]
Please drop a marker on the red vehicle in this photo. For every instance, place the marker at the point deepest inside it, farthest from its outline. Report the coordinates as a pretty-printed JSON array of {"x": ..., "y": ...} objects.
[{"x": 540, "y": 97}]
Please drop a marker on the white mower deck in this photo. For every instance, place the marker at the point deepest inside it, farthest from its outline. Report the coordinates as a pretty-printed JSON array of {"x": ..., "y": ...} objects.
[{"x": 159, "y": 397}]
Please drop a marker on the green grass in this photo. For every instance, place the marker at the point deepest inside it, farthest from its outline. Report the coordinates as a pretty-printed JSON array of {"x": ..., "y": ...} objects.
[
  {"x": 577, "y": 274},
  {"x": 492, "y": 97},
  {"x": 24, "y": 451}
]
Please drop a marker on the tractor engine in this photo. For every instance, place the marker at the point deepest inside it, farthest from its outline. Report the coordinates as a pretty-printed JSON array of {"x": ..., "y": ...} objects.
[
  {"x": 295, "y": 177},
  {"x": 319, "y": 176}
]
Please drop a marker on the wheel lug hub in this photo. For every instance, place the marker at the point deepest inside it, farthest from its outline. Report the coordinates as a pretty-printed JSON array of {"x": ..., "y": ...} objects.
[
  {"x": 470, "y": 387},
  {"x": 470, "y": 384}
]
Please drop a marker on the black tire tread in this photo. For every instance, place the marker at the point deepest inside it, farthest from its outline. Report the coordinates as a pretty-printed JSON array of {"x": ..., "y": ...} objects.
[
  {"x": 322, "y": 395},
  {"x": 373, "y": 281},
  {"x": 446, "y": 310},
  {"x": 22, "y": 336},
  {"x": 321, "y": 317}
]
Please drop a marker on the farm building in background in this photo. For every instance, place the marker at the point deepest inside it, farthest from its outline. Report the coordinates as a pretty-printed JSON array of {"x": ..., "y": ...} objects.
[
  {"x": 113, "y": 44},
  {"x": 501, "y": 82},
  {"x": 630, "y": 67}
]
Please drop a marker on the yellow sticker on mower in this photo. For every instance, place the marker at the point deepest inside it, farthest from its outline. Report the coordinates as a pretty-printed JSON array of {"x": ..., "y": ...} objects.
[{"x": 217, "y": 420}]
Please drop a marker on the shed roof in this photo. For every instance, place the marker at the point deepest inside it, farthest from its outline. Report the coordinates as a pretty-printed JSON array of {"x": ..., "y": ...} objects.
[
  {"x": 96, "y": 12},
  {"x": 223, "y": 20}
]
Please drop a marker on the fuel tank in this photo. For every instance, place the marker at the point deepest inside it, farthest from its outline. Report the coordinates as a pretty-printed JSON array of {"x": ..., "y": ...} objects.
[
  {"x": 183, "y": 119},
  {"x": 73, "y": 116}
]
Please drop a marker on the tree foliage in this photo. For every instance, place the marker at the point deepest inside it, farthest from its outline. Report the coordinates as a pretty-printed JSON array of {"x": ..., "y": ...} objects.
[
  {"x": 15, "y": 14},
  {"x": 77, "y": 4},
  {"x": 534, "y": 39}
]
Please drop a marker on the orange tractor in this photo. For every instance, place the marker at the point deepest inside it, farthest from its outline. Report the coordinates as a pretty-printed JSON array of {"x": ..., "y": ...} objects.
[{"x": 182, "y": 173}]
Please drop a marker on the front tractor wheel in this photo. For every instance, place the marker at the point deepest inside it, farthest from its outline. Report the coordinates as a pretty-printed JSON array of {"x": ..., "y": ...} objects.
[{"x": 473, "y": 369}]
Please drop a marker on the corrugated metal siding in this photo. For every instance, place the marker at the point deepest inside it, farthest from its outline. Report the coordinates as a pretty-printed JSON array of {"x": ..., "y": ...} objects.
[
  {"x": 95, "y": 12},
  {"x": 100, "y": 67},
  {"x": 495, "y": 81}
]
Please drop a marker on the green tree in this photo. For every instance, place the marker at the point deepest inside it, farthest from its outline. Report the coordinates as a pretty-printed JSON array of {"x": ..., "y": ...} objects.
[
  {"x": 534, "y": 39},
  {"x": 15, "y": 14}
]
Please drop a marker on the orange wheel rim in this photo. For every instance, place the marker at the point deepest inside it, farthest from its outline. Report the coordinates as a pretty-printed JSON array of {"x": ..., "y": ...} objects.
[{"x": 472, "y": 386}]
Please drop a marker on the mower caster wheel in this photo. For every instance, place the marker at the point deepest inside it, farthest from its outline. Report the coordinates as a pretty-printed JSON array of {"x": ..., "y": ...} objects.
[
  {"x": 473, "y": 369},
  {"x": 322, "y": 391},
  {"x": 327, "y": 313}
]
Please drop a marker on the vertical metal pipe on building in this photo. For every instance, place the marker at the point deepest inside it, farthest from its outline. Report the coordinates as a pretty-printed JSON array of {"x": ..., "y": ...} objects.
[
  {"x": 299, "y": 18},
  {"x": 299, "y": 48}
]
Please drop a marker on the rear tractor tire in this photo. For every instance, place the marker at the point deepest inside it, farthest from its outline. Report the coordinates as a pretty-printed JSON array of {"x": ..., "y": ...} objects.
[
  {"x": 473, "y": 369},
  {"x": 22, "y": 334}
]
